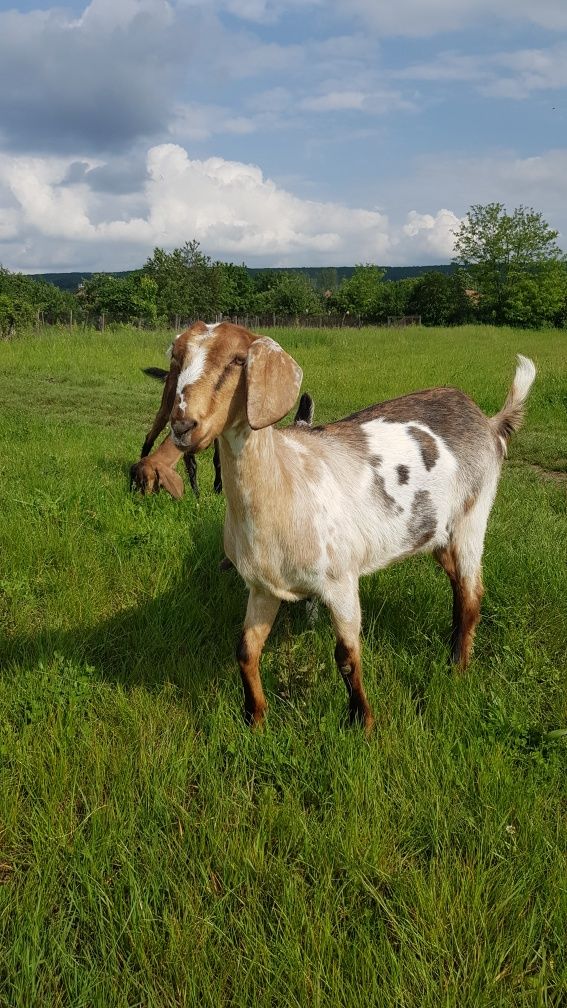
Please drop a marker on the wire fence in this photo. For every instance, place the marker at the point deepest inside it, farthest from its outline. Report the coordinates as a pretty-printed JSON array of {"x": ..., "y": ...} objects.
[{"x": 104, "y": 320}]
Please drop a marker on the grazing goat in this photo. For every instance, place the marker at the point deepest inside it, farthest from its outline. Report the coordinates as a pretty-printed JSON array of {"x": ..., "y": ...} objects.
[
  {"x": 158, "y": 470},
  {"x": 311, "y": 509}
]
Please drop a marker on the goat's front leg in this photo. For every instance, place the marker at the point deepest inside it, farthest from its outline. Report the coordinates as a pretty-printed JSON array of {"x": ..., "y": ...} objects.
[
  {"x": 260, "y": 615},
  {"x": 190, "y": 464},
  {"x": 345, "y": 612}
]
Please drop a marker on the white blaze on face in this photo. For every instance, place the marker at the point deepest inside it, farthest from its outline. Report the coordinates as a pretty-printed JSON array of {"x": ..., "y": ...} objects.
[{"x": 191, "y": 373}]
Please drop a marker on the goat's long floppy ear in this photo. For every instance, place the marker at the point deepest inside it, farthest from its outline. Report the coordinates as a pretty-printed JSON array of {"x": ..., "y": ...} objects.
[
  {"x": 170, "y": 481},
  {"x": 156, "y": 372},
  {"x": 273, "y": 380},
  {"x": 170, "y": 387}
]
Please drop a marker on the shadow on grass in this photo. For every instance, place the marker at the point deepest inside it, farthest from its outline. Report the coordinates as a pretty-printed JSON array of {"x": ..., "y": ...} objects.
[{"x": 187, "y": 635}]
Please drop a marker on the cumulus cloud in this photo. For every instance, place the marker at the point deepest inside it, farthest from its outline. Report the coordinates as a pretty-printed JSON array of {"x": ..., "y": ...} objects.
[
  {"x": 94, "y": 82},
  {"x": 261, "y": 11},
  {"x": 63, "y": 214},
  {"x": 114, "y": 75},
  {"x": 229, "y": 206},
  {"x": 527, "y": 70},
  {"x": 539, "y": 181},
  {"x": 434, "y": 232}
]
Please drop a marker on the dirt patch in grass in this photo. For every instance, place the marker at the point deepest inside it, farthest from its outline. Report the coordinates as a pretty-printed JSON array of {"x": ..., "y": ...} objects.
[{"x": 558, "y": 476}]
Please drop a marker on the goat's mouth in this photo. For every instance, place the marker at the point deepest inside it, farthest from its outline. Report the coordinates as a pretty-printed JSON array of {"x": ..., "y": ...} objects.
[{"x": 192, "y": 442}]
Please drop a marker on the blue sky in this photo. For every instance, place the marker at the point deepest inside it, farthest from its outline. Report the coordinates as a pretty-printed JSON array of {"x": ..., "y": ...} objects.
[{"x": 276, "y": 132}]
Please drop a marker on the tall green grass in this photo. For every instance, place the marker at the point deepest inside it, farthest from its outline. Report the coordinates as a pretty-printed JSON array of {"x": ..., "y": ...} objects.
[{"x": 154, "y": 852}]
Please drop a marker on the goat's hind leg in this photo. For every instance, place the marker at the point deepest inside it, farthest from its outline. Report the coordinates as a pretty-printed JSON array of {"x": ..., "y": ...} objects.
[
  {"x": 345, "y": 613},
  {"x": 462, "y": 562},
  {"x": 467, "y": 596},
  {"x": 260, "y": 615}
]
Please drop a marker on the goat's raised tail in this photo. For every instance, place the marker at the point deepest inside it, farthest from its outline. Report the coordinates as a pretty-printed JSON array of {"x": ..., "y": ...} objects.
[{"x": 510, "y": 417}]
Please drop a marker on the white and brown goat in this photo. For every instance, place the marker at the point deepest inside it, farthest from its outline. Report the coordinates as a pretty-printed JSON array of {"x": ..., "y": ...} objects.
[{"x": 311, "y": 509}]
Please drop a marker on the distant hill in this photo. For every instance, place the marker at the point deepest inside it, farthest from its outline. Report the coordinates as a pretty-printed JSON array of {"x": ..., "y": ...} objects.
[
  {"x": 322, "y": 277},
  {"x": 70, "y": 281}
]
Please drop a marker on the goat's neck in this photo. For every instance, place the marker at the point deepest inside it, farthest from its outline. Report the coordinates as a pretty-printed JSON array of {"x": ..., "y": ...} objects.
[{"x": 249, "y": 461}]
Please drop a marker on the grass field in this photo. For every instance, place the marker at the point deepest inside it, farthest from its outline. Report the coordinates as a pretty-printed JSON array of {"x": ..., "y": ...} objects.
[{"x": 153, "y": 851}]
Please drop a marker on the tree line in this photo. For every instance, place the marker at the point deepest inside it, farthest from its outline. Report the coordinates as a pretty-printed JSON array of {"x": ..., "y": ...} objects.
[{"x": 508, "y": 270}]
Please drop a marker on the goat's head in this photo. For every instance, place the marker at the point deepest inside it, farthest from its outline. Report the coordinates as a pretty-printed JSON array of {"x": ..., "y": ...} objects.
[
  {"x": 227, "y": 376},
  {"x": 149, "y": 475}
]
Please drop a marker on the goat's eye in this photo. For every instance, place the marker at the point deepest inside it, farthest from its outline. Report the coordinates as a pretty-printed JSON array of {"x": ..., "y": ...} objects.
[{"x": 238, "y": 360}]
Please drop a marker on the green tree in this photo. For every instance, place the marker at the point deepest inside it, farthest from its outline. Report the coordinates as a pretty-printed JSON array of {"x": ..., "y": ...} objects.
[
  {"x": 14, "y": 313},
  {"x": 541, "y": 299},
  {"x": 289, "y": 294},
  {"x": 393, "y": 298},
  {"x": 237, "y": 289},
  {"x": 105, "y": 294},
  {"x": 501, "y": 251},
  {"x": 441, "y": 299},
  {"x": 189, "y": 284},
  {"x": 143, "y": 292},
  {"x": 48, "y": 301},
  {"x": 359, "y": 294}
]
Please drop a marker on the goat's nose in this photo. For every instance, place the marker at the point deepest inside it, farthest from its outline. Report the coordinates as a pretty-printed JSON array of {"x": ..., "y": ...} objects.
[{"x": 181, "y": 427}]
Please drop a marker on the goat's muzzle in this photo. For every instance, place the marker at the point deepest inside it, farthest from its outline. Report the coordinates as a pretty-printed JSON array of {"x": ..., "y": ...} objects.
[{"x": 182, "y": 432}]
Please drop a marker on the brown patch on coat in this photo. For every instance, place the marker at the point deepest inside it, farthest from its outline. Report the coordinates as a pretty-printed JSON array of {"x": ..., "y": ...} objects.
[
  {"x": 448, "y": 412},
  {"x": 349, "y": 435},
  {"x": 403, "y": 474},
  {"x": 427, "y": 445},
  {"x": 380, "y": 486},
  {"x": 423, "y": 520}
]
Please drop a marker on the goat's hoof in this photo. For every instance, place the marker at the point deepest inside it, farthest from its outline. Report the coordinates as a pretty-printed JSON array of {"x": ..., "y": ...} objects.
[
  {"x": 369, "y": 723},
  {"x": 255, "y": 719},
  {"x": 362, "y": 718}
]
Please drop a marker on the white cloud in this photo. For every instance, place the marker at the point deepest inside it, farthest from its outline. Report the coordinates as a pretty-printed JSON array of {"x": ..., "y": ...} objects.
[
  {"x": 192, "y": 121},
  {"x": 446, "y": 66},
  {"x": 433, "y": 233},
  {"x": 515, "y": 74},
  {"x": 63, "y": 214},
  {"x": 528, "y": 70},
  {"x": 416, "y": 18},
  {"x": 261, "y": 11},
  {"x": 227, "y": 205},
  {"x": 372, "y": 103}
]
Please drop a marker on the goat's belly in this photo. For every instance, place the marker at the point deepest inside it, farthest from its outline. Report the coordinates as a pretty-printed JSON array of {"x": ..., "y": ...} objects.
[{"x": 383, "y": 537}]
